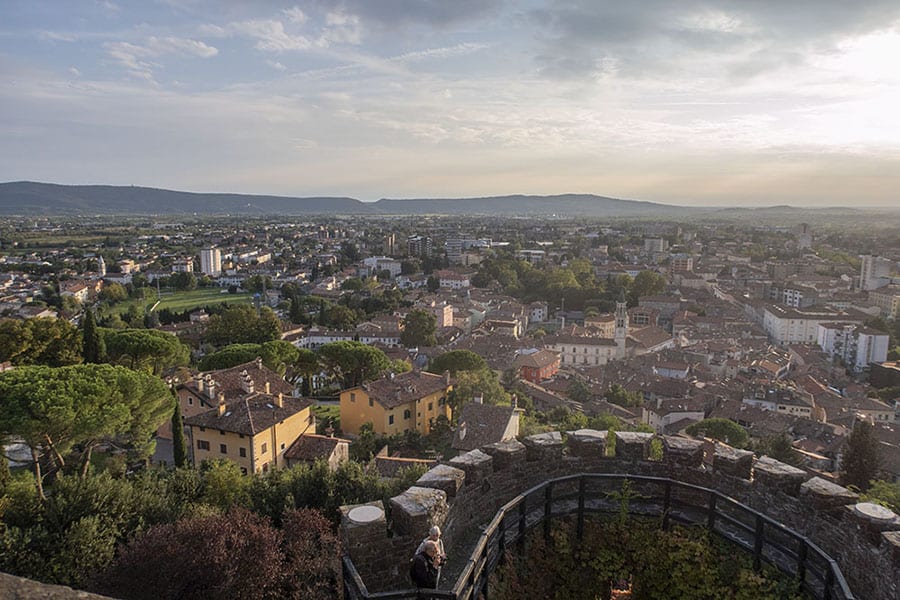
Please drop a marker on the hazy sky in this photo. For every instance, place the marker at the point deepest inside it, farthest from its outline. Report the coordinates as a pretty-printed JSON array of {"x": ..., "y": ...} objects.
[{"x": 690, "y": 101}]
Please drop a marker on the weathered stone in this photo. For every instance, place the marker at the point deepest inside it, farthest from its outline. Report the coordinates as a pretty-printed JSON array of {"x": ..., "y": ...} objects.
[
  {"x": 892, "y": 541},
  {"x": 417, "y": 509},
  {"x": 874, "y": 519},
  {"x": 506, "y": 454},
  {"x": 822, "y": 494},
  {"x": 733, "y": 462},
  {"x": 633, "y": 445},
  {"x": 776, "y": 475},
  {"x": 477, "y": 466},
  {"x": 362, "y": 527},
  {"x": 543, "y": 446},
  {"x": 17, "y": 588},
  {"x": 443, "y": 477},
  {"x": 587, "y": 442},
  {"x": 683, "y": 451}
]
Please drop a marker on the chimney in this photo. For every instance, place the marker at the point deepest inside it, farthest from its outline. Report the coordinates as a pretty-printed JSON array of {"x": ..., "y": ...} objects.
[
  {"x": 478, "y": 399},
  {"x": 210, "y": 387},
  {"x": 515, "y": 402},
  {"x": 221, "y": 407},
  {"x": 268, "y": 388},
  {"x": 198, "y": 380},
  {"x": 259, "y": 363},
  {"x": 279, "y": 400},
  {"x": 446, "y": 377},
  {"x": 247, "y": 384}
]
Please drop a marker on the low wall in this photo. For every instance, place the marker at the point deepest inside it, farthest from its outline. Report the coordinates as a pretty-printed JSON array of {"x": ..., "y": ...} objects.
[{"x": 465, "y": 493}]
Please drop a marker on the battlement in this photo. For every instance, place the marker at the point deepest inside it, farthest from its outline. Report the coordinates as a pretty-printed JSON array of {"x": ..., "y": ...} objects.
[{"x": 463, "y": 495}]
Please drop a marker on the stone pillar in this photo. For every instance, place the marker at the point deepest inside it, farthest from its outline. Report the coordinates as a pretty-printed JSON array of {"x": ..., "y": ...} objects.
[
  {"x": 414, "y": 511},
  {"x": 443, "y": 477},
  {"x": 777, "y": 475},
  {"x": 682, "y": 451},
  {"x": 873, "y": 520},
  {"x": 544, "y": 446},
  {"x": 505, "y": 454},
  {"x": 587, "y": 443},
  {"x": 477, "y": 466},
  {"x": 826, "y": 496},
  {"x": 733, "y": 462},
  {"x": 633, "y": 445}
]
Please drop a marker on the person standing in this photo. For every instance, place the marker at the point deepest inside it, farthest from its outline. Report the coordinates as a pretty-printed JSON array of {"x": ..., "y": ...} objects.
[
  {"x": 424, "y": 570},
  {"x": 434, "y": 535}
]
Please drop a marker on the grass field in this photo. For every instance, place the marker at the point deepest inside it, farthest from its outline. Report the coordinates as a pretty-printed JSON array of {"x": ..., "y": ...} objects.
[{"x": 181, "y": 301}]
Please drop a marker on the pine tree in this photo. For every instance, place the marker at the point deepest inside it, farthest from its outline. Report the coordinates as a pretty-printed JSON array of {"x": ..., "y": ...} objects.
[
  {"x": 179, "y": 445},
  {"x": 862, "y": 457},
  {"x": 93, "y": 349}
]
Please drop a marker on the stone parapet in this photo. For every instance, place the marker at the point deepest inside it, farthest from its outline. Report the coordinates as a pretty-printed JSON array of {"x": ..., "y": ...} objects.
[
  {"x": 476, "y": 465},
  {"x": 587, "y": 443},
  {"x": 733, "y": 462},
  {"x": 633, "y": 445},
  {"x": 506, "y": 454},
  {"x": 443, "y": 477},
  {"x": 543, "y": 446},
  {"x": 778, "y": 476}
]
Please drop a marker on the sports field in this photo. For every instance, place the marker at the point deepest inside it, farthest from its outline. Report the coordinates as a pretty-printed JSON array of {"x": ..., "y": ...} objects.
[{"x": 181, "y": 301}]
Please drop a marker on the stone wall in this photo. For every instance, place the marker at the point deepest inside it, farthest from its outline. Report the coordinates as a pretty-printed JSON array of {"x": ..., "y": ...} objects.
[{"x": 465, "y": 494}]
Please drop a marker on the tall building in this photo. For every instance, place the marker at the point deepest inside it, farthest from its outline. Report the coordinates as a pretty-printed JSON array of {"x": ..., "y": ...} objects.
[
  {"x": 101, "y": 266},
  {"x": 417, "y": 245},
  {"x": 211, "y": 262},
  {"x": 874, "y": 272},
  {"x": 621, "y": 333},
  {"x": 389, "y": 245}
]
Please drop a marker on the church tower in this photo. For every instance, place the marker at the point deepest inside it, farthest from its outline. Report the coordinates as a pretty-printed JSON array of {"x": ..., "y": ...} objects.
[
  {"x": 101, "y": 266},
  {"x": 621, "y": 326}
]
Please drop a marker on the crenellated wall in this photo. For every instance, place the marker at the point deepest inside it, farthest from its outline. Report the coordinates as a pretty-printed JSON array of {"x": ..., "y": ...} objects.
[{"x": 465, "y": 493}]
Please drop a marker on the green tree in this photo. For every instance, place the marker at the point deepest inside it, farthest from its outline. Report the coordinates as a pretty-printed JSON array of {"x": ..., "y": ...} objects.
[
  {"x": 183, "y": 281},
  {"x": 433, "y": 284},
  {"x": 723, "y": 430},
  {"x": 341, "y": 317},
  {"x": 456, "y": 361},
  {"x": 616, "y": 394},
  {"x": 53, "y": 342},
  {"x": 147, "y": 349},
  {"x": 419, "y": 329},
  {"x": 352, "y": 363},
  {"x": 113, "y": 293},
  {"x": 646, "y": 283},
  {"x": 578, "y": 390},
  {"x": 93, "y": 347},
  {"x": 242, "y": 325},
  {"x": 862, "y": 457},
  {"x": 780, "y": 448},
  {"x": 485, "y": 382},
  {"x": 179, "y": 443},
  {"x": 882, "y": 492}
]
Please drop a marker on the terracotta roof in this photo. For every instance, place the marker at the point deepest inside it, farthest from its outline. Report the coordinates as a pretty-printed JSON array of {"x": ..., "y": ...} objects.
[
  {"x": 649, "y": 337},
  {"x": 404, "y": 388},
  {"x": 480, "y": 425},
  {"x": 539, "y": 359},
  {"x": 311, "y": 447},
  {"x": 250, "y": 415},
  {"x": 230, "y": 381}
]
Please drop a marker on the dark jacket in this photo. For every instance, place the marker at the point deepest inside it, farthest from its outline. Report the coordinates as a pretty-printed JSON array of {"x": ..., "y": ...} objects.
[{"x": 424, "y": 573}]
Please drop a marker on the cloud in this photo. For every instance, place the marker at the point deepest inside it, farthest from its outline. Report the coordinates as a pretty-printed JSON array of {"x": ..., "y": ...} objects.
[
  {"x": 392, "y": 14},
  {"x": 136, "y": 58},
  {"x": 74, "y": 72},
  {"x": 444, "y": 52},
  {"x": 270, "y": 35},
  {"x": 295, "y": 15},
  {"x": 276, "y": 65}
]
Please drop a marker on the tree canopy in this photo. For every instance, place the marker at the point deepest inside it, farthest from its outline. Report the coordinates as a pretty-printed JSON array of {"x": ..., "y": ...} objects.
[
  {"x": 723, "y": 430},
  {"x": 862, "y": 457},
  {"x": 52, "y": 342},
  {"x": 146, "y": 349},
  {"x": 352, "y": 363},
  {"x": 456, "y": 361},
  {"x": 419, "y": 328},
  {"x": 242, "y": 325}
]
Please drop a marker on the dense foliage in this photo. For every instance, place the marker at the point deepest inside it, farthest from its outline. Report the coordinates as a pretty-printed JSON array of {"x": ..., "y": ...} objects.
[{"x": 680, "y": 564}]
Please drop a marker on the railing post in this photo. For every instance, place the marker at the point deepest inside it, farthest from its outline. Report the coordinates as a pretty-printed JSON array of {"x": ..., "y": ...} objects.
[
  {"x": 758, "y": 543},
  {"x": 548, "y": 504},
  {"x": 580, "y": 528},
  {"x": 501, "y": 542},
  {"x": 711, "y": 516},
  {"x": 523, "y": 512},
  {"x": 829, "y": 581},
  {"x": 801, "y": 561},
  {"x": 667, "y": 501}
]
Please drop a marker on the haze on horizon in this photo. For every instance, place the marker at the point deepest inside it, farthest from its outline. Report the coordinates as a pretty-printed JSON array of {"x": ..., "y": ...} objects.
[{"x": 698, "y": 102}]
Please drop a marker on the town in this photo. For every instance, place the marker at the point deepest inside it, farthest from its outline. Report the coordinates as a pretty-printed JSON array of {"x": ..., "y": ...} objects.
[{"x": 321, "y": 362}]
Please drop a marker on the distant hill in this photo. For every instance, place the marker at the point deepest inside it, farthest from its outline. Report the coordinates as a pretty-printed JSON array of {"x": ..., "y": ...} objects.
[{"x": 30, "y": 198}]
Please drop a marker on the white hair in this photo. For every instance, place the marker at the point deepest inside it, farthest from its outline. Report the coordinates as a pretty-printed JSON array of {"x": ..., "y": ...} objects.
[{"x": 435, "y": 530}]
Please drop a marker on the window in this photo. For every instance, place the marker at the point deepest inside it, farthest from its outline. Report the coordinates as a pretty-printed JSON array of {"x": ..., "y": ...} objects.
[
  {"x": 191, "y": 401},
  {"x": 390, "y": 419},
  {"x": 202, "y": 429},
  {"x": 243, "y": 470},
  {"x": 265, "y": 467},
  {"x": 282, "y": 446},
  {"x": 431, "y": 406},
  {"x": 371, "y": 402},
  {"x": 407, "y": 413},
  {"x": 202, "y": 445},
  {"x": 221, "y": 433},
  {"x": 352, "y": 396},
  {"x": 223, "y": 448},
  {"x": 263, "y": 449},
  {"x": 243, "y": 452},
  {"x": 241, "y": 435}
]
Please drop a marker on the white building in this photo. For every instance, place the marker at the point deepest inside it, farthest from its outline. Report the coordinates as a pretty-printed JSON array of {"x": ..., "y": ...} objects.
[
  {"x": 874, "y": 272},
  {"x": 211, "y": 262},
  {"x": 785, "y": 325},
  {"x": 377, "y": 264},
  {"x": 888, "y": 300},
  {"x": 856, "y": 345},
  {"x": 185, "y": 265}
]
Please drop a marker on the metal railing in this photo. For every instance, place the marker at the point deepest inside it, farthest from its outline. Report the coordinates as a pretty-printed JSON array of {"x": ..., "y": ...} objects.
[{"x": 669, "y": 500}]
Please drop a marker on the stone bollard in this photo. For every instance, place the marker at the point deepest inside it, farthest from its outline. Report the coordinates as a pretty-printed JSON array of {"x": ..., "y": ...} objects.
[
  {"x": 683, "y": 451},
  {"x": 543, "y": 446},
  {"x": 506, "y": 454},
  {"x": 633, "y": 445},
  {"x": 587, "y": 443},
  {"x": 477, "y": 466},
  {"x": 443, "y": 477},
  {"x": 733, "y": 462},
  {"x": 873, "y": 520},
  {"x": 826, "y": 496},
  {"x": 778, "y": 476},
  {"x": 417, "y": 509}
]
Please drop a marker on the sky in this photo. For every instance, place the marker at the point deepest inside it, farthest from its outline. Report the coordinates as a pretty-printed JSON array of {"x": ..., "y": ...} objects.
[{"x": 692, "y": 102}]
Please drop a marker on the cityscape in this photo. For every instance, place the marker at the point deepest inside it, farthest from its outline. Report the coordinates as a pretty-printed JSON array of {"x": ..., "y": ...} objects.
[{"x": 454, "y": 301}]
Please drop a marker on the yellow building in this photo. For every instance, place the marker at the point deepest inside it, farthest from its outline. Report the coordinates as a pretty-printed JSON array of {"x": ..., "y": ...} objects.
[
  {"x": 253, "y": 431},
  {"x": 396, "y": 403}
]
